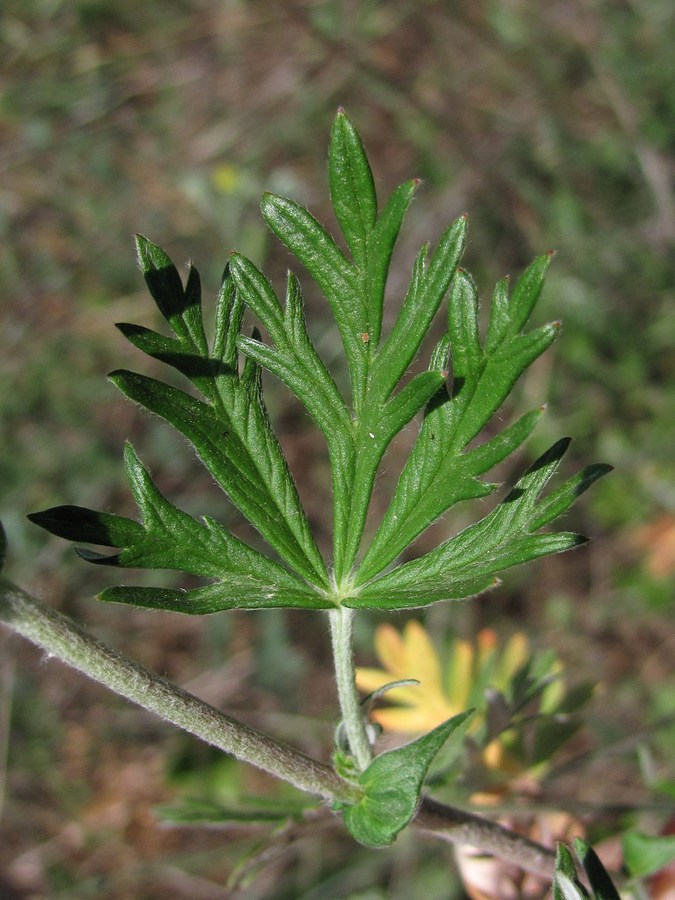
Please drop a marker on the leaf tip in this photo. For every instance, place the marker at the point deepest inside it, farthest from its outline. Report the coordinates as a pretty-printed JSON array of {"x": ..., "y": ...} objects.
[{"x": 150, "y": 257}]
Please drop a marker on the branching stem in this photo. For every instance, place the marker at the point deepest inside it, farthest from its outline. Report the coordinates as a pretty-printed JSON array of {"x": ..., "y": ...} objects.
[{"x": 60, "y": 637}]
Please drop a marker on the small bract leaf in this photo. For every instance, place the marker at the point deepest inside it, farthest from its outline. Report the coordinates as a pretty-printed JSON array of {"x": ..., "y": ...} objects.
[{"x": 392, "y": 786}]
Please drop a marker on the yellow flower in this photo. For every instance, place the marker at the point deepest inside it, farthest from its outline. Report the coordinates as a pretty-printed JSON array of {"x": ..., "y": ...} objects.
[
  {"x": 461, "y": 681},
  {"x": 418, "y": 708},
  {"x": 412, "y": 655}
]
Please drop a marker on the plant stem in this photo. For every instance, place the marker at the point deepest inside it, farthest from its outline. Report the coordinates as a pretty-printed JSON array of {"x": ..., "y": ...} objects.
[
  {"x": 461, "y": 827},
  {"x": 350, "y": 706},
  {"x": 62, "y": 638}
]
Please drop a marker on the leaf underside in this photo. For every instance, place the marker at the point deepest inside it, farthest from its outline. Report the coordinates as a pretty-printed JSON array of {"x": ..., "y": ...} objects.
[{"x": 224, "y": 417}]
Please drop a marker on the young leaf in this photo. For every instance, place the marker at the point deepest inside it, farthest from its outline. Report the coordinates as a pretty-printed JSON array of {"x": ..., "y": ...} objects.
[
  {"x": 168, "y": 538},
  {"x": 392, "y": 786}
]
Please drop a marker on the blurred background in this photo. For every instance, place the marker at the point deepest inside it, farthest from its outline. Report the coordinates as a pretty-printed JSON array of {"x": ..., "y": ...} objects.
[{"x": 553, "y": 126}]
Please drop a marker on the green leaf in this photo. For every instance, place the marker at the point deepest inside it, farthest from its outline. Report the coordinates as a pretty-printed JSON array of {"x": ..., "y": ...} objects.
[
  {"x": 180, "y": 306},
  {"x": 352, "y": 190},
  {"x": 601, "y": 883},
  {"x": 467, "y": 563},
  {"x": 526, "y": 293},
  {"x": 392, "y": 786},
  {"x": 331, "y": 270},
  {"x": 380, "y": 247},
  {"x": 401, "y": 408},
  {"x": 254, "y": 481},
  {"x": 372, "y": 440},
  {"x": 427, "y": 288},
  {"x": 566, "y": 885},
  {"x": 499, "y": 315},
  {"x": 193, "y": 811},
  {"x": 440, "y": 471},
  {"x": 433, "y": 480},
  {"x": 234, "y": 592},
  {"x": 560, "y": 500},
  {"x": 467, "y": 353},
  {"x": 235, "y": 406},
  {"x": 645, "y": 854},
  {"x": 293, "y": 358},
  {"x": 464, "y": 387},
  {"x": 168, "y": 538}
]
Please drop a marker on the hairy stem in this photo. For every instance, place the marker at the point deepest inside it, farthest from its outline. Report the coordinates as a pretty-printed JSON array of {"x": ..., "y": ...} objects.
[
  {"x": 60, "y": 637},
  {"x": 350, "y": 706},
  {"x": 461, "y": 827}
]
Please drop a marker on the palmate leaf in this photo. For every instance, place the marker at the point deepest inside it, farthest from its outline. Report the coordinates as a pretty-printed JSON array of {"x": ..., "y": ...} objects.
[
  {"x": 168, "y": 538},
  {"x": 466, "y": 383}
]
